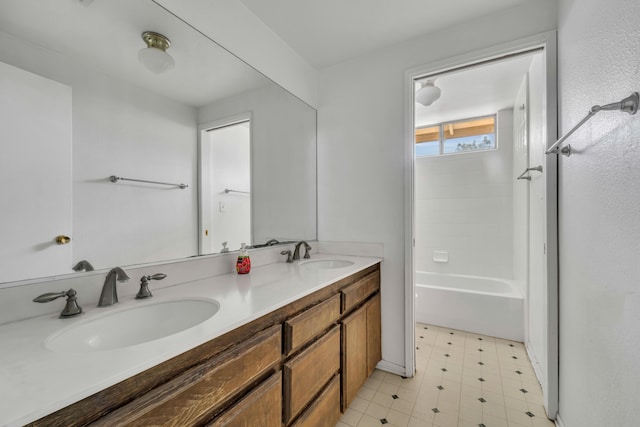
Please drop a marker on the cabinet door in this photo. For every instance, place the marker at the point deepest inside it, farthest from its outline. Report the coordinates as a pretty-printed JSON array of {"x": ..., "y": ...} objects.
[
  {"x": 354, "y": 354},
  {"x": 374, "y": 347},
  {"x": 263, "y": 407},
  {"x": 306, "y": 374}
]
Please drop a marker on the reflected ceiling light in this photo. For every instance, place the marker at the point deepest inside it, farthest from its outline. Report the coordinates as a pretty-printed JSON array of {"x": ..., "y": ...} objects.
[
  {"x": 154, "y": 56},
  {"x": 428, "y": 93}
]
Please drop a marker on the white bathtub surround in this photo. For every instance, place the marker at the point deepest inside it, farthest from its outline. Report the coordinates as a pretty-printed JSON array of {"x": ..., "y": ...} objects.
[
  {"x": 33, "y": 385},
  {"x": 482, "y": 305},
  {"x": 463, "y": 206}
]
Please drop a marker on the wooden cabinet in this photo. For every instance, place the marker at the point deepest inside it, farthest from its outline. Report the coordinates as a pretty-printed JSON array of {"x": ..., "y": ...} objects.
[
  {"x": 264, "y": 403},
  {"x": 354, "y": 355},
  {"x": 325, "y": 410},
  {"x": 306, "y": 374},
  {"x": 361, "y": 335},
  {"x": 307, "y": 325},
  {"x": 374, "y": 333},
  {"x": 297, "y": 366},
  {"x": 196, "y": 395}
]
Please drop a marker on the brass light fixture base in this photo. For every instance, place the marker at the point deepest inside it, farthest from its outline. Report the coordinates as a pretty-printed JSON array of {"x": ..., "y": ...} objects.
[{"x": 157, "y": 40}]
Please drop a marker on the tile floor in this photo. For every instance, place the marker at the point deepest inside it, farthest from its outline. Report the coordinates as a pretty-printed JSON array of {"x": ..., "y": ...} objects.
[{"x": 462, "y": 380}]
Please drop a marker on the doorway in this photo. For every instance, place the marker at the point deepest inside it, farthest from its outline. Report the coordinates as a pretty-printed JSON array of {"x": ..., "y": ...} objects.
[
  {"x": 225, "y": 185},
  {"x": 528, "y": 256}
]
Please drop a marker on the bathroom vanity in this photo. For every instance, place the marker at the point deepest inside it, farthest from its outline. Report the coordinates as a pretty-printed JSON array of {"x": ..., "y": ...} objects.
[{"x": 290, "y": 346}]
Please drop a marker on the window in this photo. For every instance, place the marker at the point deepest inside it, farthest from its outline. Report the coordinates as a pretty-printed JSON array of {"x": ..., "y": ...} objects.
[{"x": 461, "y": 136}]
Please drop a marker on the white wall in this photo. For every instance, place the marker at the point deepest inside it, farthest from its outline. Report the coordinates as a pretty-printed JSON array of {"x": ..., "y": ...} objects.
[
  {"x": 283, "y": 128},
  {"x": 120, "y": 129},
  {"x": 360, "y": 143},
  {"x": 599, "y": 202},
  {"x": 463, "y": 206},
  {"x": 234, "y": 27}
]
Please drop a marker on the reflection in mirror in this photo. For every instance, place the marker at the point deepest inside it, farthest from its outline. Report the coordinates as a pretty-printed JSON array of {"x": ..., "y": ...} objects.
[
  {"x": 82, "y": 108},
  {"x": 225, "y": 185}
]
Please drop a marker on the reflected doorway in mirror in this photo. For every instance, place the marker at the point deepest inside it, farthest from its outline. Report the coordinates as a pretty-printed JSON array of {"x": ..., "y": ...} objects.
[{"x": 225, "y": 162}]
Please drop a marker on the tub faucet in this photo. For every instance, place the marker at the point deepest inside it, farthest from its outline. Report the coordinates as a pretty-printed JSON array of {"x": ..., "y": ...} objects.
[
  {"x": 296, "y": 252},
  {"x": 109, "y": 295}
]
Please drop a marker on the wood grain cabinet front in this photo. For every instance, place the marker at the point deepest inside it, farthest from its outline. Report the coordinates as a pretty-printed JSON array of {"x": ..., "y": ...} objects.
[
  {"x": 306, "y": 374},
  {"x": 196, "y": 395},
  {"x": 361, "y": 349},
  {"x": 325, "y": 410},
  {"x": 359, "y": 291},
  {"x": 261, "y": 407},
  {"x": 309, "y": 324}
]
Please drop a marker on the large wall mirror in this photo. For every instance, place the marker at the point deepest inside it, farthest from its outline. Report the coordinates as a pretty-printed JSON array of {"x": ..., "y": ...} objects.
[{"x": 79, "y": 106}]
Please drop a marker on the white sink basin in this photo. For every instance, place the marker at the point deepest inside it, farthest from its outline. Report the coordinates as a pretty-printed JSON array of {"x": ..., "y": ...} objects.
[
  {"x": 132, "y": 326},
  {"x": 325, "y": 264}
]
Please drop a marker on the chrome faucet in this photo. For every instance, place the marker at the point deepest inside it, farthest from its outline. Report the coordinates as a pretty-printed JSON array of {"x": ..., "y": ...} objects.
[
  {"x": 271, "y": 242},
  {"x": 296, "y": 252},
  {"x": 83, "y": 265},
  {"x": 109, "y": 295}
]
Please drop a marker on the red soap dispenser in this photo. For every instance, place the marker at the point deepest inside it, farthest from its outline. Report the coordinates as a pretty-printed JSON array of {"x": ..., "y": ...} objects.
[{"x": 243, "y": 265}]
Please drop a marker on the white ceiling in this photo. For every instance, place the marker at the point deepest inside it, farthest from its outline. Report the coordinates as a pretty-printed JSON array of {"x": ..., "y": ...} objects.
[
  {"x": 327, "y": 32},
  {"x": 474, "y": 92},
  {"x": 105, "y": 36}
]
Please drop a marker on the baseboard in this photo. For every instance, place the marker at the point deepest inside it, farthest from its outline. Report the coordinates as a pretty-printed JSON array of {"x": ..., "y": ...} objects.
[
  {"x": 393, "y": 368},
  {"x": 559, "y": 421},
  {"x": 534, "y": 364}
]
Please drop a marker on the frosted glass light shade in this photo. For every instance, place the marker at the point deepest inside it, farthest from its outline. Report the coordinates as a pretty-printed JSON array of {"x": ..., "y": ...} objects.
[
  {"x": 156, "y": 60},
  {"x": 428, "y": 93}
]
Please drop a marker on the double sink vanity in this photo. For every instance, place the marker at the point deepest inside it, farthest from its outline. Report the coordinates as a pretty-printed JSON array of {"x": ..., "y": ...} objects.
[{"x": 287, "y": 344}]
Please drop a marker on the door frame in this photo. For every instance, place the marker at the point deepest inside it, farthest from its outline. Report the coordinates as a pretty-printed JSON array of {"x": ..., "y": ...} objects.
[
  {"x": 202, "y": 131},
  {"x": 548, "y": 42}
]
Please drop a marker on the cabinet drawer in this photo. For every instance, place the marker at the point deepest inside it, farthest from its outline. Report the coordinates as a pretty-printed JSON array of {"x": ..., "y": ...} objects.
[
  {"x": 360, "y": 290},
  {"x": 306, "y": 374},
  {"x": 309, "y": 324},
  {"x": 197, "y": 394},
  {"x": 263, "y": 406},
  {"x": 325, "y": 410}
]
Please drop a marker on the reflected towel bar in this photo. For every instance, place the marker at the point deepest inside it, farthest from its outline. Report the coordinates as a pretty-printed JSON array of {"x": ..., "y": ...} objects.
[
  {"x": 628, "y": 105},
  {"x": 114, "y": 178},
  {"x": 228, "y": 190},
  {"x": 528, "y": 177}
]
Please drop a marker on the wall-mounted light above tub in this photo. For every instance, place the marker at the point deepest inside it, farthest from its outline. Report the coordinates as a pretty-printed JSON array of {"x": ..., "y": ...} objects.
[
  {"x": 154, "y": 56},
  {"x": 428, "y": 93}
]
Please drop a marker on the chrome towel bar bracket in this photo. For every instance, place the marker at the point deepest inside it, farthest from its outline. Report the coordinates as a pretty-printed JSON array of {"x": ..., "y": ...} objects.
[
  {"x": 528, "y": 177},
  {"x": 629, "y": 105}
]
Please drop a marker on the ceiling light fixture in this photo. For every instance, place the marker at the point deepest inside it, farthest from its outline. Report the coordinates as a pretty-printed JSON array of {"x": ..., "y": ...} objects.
[
  {"x": 154, "y": 56},
  {"x": 428, "y": 93}
]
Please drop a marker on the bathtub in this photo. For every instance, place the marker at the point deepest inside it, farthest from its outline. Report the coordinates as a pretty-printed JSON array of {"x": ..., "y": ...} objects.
[{"x": 482, "y": 305}]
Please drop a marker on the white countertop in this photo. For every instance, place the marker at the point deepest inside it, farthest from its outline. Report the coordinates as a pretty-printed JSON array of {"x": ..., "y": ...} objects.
[{"x": 35, "y": 381}]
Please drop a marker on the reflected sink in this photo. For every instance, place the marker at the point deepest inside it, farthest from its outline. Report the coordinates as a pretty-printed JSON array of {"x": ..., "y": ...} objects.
[
  {"x": 325, "y": 264},
  {"x": 133, "y": 326}
]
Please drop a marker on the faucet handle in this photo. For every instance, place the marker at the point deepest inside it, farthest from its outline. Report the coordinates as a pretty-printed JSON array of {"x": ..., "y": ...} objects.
[
  {"x": 307, "y": 248},
  {"x": 288, "y": 254},
  {"x": 70, "y": 309},
  {"x": 144, "y": 291}
]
